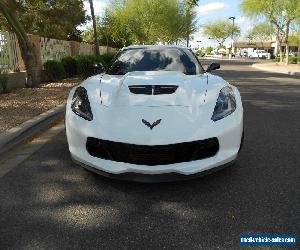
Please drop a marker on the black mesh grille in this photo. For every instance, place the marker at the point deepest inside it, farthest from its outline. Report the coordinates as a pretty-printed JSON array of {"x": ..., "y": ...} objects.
[
  {"x": 152, "y": 155},
  {"x": 153, "y": 89}
]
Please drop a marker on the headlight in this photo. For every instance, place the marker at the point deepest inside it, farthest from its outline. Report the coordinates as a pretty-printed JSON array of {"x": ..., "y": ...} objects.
[
  {"x": 81, "y": 105},
  {"x": 225, "y": 105}
]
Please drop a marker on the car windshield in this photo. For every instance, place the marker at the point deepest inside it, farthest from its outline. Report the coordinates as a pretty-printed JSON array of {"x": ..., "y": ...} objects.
[{"x": 152, "y": 59}]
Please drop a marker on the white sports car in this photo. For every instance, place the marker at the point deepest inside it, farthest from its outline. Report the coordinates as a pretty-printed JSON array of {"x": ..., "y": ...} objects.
[{"x": 154, "y": 115}]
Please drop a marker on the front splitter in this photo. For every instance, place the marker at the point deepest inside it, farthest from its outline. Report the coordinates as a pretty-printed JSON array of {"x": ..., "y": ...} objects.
[{"x": 153, "y": 178}]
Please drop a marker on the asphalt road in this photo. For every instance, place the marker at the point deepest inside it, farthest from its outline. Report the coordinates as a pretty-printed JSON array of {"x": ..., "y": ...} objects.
[{"x": 47, "y": 202}]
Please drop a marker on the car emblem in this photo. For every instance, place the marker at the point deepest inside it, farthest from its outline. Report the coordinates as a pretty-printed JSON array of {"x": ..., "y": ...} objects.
[{"x": 151, "y": 126}]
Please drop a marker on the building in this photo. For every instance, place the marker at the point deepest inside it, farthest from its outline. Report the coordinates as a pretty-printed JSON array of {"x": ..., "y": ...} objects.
[{"x": 240, "y": 46}]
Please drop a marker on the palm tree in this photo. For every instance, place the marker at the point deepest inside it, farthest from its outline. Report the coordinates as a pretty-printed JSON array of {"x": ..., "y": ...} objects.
[
  {"x": 95, "y": 28},
  {"x": 192, "y": 2},
  {"x": 189, "y": 19}
]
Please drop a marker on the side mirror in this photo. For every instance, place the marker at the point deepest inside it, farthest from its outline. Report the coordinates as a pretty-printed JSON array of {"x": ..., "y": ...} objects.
[
  {"x": 98, "y": 68},
  {"x": 212, "y": 67}
]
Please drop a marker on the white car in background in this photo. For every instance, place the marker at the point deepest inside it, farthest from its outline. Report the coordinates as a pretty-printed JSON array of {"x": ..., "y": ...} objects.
[
  {"x": 154, "y": 115},
  {"x": 259, "y": 54}
]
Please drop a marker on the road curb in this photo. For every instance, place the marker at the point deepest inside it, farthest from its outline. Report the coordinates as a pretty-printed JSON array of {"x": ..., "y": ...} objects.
[
  {"x": 16, "y": 135},
  {"x": 291, "y": 73}
]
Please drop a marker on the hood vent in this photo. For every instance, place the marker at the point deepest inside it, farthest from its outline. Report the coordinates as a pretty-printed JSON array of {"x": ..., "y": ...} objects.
[{"x": 153, "y": 89}]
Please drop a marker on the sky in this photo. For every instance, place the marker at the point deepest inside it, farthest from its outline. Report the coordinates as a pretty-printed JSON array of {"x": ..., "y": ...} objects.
[{"x": 207, "y": 11}]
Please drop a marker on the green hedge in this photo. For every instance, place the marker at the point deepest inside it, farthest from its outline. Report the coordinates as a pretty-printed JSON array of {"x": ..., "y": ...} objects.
[
  {"x": 70, "y": 65},
  {"x": 3, "y": 82},
  {"x": 85, "y": 64},
  {"x": 292, "y": 59},
  {"x": 54, "y": 70},
  {"x": 108, "y": 58},
  {"x": 77, "y": 65}
]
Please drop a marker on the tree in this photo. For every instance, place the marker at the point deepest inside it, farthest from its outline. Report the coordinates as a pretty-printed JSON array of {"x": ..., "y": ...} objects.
[
  {"x": 261, "y": 32},
  {"x": 54, "y": 19},
  {"x": 192, "y": 2},
  {"x": 280, "y": 13},
  {"x": 149, "y": 21},
  {"x": 94, "y": 28},
  {"x": 220, "y": 31},
  {"x": 75, "y": 35},
  {"x": 103, "y": 33},
  {"x": 295, "y": 36},
  {"x": 208, "y": 50},
  {"x": 118, "y": 22},
  {"x": 9, "y": 10},
  {"x": 189, "y": 20}
]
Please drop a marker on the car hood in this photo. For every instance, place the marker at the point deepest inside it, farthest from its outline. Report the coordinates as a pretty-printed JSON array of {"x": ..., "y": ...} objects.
[{"x": 191, "y": 90}]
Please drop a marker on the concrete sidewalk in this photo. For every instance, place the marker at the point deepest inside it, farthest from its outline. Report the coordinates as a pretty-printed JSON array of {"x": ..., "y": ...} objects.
[{"x": 291, "y": 69}]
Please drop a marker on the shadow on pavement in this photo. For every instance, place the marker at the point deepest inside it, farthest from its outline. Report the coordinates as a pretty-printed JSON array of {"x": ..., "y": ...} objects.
[{"x": 49, "y": 202}]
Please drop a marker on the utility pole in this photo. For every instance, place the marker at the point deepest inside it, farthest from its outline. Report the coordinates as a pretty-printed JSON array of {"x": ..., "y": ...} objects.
[{"x": 231, "y": 47}]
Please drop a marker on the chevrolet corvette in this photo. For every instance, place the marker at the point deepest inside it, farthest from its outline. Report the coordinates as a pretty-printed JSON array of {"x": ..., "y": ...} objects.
[{"x": 154, "y": 115}]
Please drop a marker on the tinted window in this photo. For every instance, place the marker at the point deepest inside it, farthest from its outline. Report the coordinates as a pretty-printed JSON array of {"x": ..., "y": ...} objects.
[{"x": 148, "y": 59}]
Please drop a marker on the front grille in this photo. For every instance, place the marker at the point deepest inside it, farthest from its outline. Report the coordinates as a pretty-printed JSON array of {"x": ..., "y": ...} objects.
[
  {"x": 153, "y": 89},
  {"x": 152, "y": 155}
]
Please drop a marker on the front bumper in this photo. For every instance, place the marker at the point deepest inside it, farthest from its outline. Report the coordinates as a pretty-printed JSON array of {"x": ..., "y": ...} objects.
[
  {"x": 179, "y": 125},
  {"x": 229, "y": 145},
  {"x": 152, "y": 178}
]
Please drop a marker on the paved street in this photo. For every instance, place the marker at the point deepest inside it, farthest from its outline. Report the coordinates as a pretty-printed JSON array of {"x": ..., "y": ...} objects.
[{"x": 47, "y": 202}]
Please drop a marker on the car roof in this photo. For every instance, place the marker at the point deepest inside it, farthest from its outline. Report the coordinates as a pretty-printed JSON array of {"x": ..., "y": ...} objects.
[{"x": 155, "y": 47}]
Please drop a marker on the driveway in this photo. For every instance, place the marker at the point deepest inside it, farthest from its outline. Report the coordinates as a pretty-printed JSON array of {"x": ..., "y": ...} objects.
[{"x": 47, "y": 202}]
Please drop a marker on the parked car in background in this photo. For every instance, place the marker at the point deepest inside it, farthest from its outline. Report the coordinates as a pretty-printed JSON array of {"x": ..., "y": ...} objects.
[
  {"x": 258, "y": 54},
  {"x": 293, "y": 53},
  {"x": 244, "y": 54}
]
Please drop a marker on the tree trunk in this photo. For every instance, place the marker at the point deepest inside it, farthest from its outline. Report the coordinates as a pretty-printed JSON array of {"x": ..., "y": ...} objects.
[
  {"x": 287, "y": 43},
  {"x": 188, "y": 40},
  {"x": 33, "y": 73},
  {"x": 280, "y": 53},
  {"x": 287, "y": 53},
  {"x": 279, "y": 42},
  {"x": 279, "y": 39},
  {"x": 298, "y": 55},
  {"x": 27, "y": 48},
  {"x": 97, "y": 51}
]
